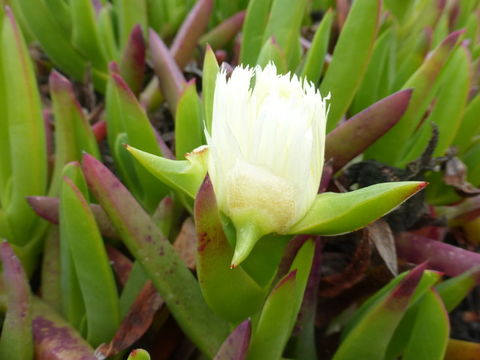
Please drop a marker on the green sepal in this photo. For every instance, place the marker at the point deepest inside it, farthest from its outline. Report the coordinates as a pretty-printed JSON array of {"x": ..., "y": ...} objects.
[
  {"x": 339, "y": 213},
  {"x": 185, "y": 176}
]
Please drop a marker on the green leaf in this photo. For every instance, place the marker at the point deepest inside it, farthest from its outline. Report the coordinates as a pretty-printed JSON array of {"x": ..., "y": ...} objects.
[
  {"x": 130, "y": 14},
  {"x": 125, "y": 115},
  {"x": 315, "y": 59},
  {"x": 210, "y": 71},
  {"x": 23, "y": 114},
  {"x": 273, "y": 328},
  {"x": 106, "y": 33},
  {"x": 51, "y": 37},
  {"x": 339, "y": 213},
  {"x": 379, "y": 323},
  {"x": 188, "y": 122},
  {"x": 469, "y": 126},
  {"x": 16, "y": 342},
  {"x": 284, "y": 26},
  {"x": 85, "y": 36},
  {"x": 73, "y": 133},
  {"x": 455, "y": 289},
  {"x": 231, "y": 293},
  {"x": 429, "y": 336},
  {"x": 448, "y": 109},
  {"x": 368, "y": 92},
  {"x": 252, "y": 32},
  {"x": 185, "y": 176},
  {"x": 429, "y": 278},
  {"x": 387, "y": 149},
  {"x": 272, "y": 52},
  {"x": 95, "y": 277},
  {"x": 350, "y": 58},
  {"x": 179, "y": 289}
]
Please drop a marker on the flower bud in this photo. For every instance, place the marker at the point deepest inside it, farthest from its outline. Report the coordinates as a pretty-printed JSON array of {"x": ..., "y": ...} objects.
[{"x": 266, "y": 151}]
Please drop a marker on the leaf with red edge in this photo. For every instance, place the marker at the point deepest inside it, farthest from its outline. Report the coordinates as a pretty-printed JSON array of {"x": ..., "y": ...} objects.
[
  {"x": 16, "y": 340},
  {"x": 232, "y": 293},
  {"x": 169, "y": 75},
  {"x": 194, "y": 25},
  {"x": 47, "y": 208},
  {"x": 220, "y": 35},
  {"x": 379, "y": 323},
  {"x": 158, "y": 258},
  {"x": 132, "y": 64},
  {"x": 355, "y": 135},
  {"x": 235, "y": 346}
]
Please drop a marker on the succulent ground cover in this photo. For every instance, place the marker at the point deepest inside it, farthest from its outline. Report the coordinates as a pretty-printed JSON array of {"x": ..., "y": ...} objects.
[{"x": 250, "y": 179}]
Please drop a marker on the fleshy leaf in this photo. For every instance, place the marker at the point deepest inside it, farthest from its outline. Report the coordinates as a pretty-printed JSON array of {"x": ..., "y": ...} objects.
[
  {"x": 210, "y": 71},
  {"x": 455, "y": 289},
  {"x": 16, "y": 341},
  {"x": 272, "y": 331},
  {"x": 194, "y": 25},
  {"x": 179, "y": 289},
  {"x": 379, "y": 323},
  {"x": 354, "y": 136},
  {"x": 315, "y": 59},
  {"x": 350, "y": 57},
  {"x": 95, "y": 277},
  {"x": 188, "y": 122},
  {"x": 338, "y": 213}
]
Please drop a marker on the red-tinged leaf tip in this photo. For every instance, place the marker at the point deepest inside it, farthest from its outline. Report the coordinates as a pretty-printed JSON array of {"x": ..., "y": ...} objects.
[
  {"x": 121, "y": 83},
  {"x": 45, "y": 207},
  {"x": 452, "y": 38},
  {"x": 422, "y": 185},
  {"x": 58, "y": 82},
  {"x": 291, "y": 276},
  {"x": 113, "y": 67},
  {"x": 100, "y": 130},
  {"x": 235, "y": 347},
  {"x": 408, "y": 285}
]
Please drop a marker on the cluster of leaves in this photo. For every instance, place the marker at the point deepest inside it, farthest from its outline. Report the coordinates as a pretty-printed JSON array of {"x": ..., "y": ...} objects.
[{"x": 90, "y": 261}]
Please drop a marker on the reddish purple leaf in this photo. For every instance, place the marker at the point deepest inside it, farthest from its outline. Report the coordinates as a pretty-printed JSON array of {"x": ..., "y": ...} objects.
[
  {"x": 16, "y": 340},
  {"x": 219, "y": 36},
  {"x": 355, "y": 135},
  {"x": 442, "y": 257},
  {"x": 47, "y": 208},
  {"x": 54, "y": 339},
  {"x": 186, "y": 40},
  {"x": 235, "y": 346},
  {"x": 132, "y": 64},
  {"x": 170, "y": 77}
]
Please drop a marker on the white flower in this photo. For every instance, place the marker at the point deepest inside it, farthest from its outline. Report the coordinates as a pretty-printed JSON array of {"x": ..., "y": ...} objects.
[{"x": 266, "y": 151}]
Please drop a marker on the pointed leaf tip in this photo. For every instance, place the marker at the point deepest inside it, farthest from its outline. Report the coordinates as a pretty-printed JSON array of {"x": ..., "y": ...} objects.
[{"x": 247, "y": 237}]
